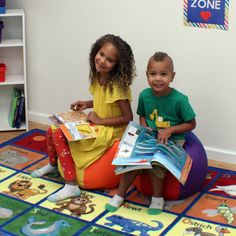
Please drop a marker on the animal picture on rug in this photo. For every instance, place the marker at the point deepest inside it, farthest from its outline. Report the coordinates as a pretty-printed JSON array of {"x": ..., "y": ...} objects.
[
  {"x": 17, "y": 157},
  {"x": 221, "y": 231},
  {"x": 12, "y": 158},
  {"x": 77, "y": 205},
  {"x": 32, "y": 227},
  {"x": 129, "y": 225},
  {"x": 22, "y": 189},
  {"x": 224, "y": 210}
]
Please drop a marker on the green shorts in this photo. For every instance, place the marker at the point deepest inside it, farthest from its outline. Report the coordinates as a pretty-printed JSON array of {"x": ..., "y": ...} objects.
[{"x": 159, "y": 171}]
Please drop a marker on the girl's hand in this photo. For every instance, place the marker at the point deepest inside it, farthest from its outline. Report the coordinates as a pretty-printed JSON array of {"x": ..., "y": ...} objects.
[
  {"x": 163, "y": 135},
  {"x": 94, "y": 118},
  {"x": 78, "y": 106}
]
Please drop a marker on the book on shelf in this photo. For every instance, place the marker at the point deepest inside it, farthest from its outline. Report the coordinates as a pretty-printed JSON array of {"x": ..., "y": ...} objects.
[
  {"x": 20, "y": 111},
  {"x": 74, "y": 125},
  {"x": 138, "y": 149},
  {"x": 15, "y": 99},
  {"x": 17, "y": 108}
]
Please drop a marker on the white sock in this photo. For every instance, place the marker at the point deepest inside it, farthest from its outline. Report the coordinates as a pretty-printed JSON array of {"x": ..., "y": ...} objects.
[
  {"x": 44, "y": 170},
  {"x": 67, "y": 191},
  {"x": 116, "y": 201},
  {"x": 157, "y": 203}
]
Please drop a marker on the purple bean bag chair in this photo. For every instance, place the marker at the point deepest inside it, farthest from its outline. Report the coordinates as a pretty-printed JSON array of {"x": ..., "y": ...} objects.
[{"x": 173, "y": 189}]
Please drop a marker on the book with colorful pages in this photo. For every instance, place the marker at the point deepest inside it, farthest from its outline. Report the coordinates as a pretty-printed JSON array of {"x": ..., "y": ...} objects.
[
  {"x": 139, "y": 149},
  {"x": 74, "y": 125}
]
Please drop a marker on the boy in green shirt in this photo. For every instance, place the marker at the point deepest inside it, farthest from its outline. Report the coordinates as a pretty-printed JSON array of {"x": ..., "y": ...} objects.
[{"x": 166, "y": 110}]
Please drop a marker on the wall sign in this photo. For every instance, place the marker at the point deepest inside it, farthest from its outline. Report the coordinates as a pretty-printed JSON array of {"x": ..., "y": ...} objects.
[{"x": 206, "y": 13}]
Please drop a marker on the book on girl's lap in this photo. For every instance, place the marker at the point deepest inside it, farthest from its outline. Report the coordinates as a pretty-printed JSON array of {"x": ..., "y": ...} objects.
[
  {"x": 138, "y": 149},
  {"x": 74, "y": 125}
]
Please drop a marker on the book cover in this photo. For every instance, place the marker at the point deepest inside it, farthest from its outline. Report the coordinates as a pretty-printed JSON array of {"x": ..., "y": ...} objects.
[
  {"x": 20, "y": 111},
  {"x": 139, "y": 149},
  {"x": 14, "y": 101},
  {"x": 17, "y": 110},
  {"x": 76, "y": 131},
  {"x": 74, "y": 125}
]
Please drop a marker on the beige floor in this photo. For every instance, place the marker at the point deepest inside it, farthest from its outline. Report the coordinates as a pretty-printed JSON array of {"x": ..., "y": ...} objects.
[{"x": 4, "y": 136}]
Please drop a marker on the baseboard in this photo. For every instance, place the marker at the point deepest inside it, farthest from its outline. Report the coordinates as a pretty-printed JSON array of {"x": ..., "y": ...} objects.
[
  {"x": 39, "y": 118},
  {"x": 215, "y": 154},
  {"x": 221, "y": 155}
]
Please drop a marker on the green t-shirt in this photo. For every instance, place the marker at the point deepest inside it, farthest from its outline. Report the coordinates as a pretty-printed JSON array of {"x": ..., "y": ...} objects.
[{"x": 165, "y": 111}]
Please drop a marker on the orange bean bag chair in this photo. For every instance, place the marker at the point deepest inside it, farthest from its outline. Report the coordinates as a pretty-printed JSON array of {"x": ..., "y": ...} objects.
[{"x": 100, "y": 174}]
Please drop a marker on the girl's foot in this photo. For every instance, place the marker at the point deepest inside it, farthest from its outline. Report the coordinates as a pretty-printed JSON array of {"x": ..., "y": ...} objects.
[
  {"x": 67, "y": 191},
  {"x": 156, "y": 206},
  {"x": 114, "y": 203},
  {"x": 44, "y": 170}
]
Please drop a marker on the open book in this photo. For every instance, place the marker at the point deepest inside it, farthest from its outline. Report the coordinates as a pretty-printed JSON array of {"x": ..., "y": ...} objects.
[
  {"x": 139, "y": 149},
  {"x": 74, "y": 125}
]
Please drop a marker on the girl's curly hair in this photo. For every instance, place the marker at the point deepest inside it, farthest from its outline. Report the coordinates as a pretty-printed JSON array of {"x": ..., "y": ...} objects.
[{"x": 124, "y": 71}]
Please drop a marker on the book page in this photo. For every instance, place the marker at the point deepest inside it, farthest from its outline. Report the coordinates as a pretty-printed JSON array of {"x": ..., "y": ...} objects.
[
  {"x": 129, "y": 153},
  {"x": 175, "y": 159},
  {"x": 74, "y": 125},
  {"x": 71, "y": 116},
  {"x": 74, "y": 131}
]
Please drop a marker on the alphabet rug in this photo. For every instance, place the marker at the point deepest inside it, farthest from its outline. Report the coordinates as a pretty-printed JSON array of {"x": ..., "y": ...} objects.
[{"x": 24, "y": 209}]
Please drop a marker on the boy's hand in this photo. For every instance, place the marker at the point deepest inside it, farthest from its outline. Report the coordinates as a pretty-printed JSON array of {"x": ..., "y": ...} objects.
[
  {"x": 94, "y": 118},
  {"x": 78, "y": 106},
  {"x": 163, "y": 135}
]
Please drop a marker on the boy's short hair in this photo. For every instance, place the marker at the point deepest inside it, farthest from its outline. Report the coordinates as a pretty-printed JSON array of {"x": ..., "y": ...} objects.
[{"x": 161, "y": 56}]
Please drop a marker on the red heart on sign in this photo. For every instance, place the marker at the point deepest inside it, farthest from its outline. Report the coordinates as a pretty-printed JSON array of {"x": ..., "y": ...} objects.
[{"x": 205, "y": 15}]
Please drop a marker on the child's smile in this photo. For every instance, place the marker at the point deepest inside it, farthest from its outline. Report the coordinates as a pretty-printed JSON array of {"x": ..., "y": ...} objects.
[
  {"x": 106, "y": 58},
  {"x": 159, "y": 76}
]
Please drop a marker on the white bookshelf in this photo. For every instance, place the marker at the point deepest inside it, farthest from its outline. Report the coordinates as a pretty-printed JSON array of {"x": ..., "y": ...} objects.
[{"x": 13, "y": 54}]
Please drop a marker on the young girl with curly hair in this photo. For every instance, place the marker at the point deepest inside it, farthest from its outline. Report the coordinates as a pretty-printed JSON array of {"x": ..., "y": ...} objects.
[{"x": 112, "y": 71}]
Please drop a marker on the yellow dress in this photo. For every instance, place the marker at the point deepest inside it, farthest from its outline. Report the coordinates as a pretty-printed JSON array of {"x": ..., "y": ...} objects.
[{"x": 85, "y": 152}]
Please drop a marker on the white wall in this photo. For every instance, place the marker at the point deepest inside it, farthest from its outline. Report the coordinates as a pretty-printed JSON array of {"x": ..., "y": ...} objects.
[{"x": 60, "y": 33}]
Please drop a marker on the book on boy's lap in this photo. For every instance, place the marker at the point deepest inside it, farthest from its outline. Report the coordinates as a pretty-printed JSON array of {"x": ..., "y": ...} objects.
[
  {"x": 139, "y": 149},
  {"x": 74, "y": 125}
]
